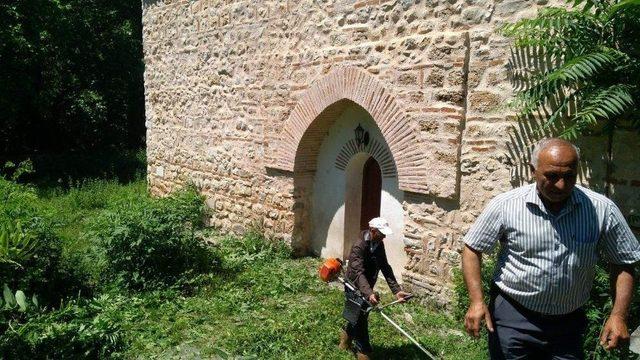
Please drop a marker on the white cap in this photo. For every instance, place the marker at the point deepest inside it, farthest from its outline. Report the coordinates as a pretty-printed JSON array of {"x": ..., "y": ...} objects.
[{"x": 381, "y": 224}]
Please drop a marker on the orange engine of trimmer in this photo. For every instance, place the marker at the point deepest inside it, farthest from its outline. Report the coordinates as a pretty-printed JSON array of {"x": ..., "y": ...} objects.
[{"x": 330, "y": 269}]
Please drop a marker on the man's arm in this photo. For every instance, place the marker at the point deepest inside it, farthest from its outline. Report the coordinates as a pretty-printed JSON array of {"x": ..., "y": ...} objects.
[
  {"x": 478, "y": 310},
  {"x": 387, "y": 271},
  {"x": 615, "y": 329},
  {"x": 481, "y": 237},
  {"x": 620, "y": 246},
  {"x": 356, "y": 264}
]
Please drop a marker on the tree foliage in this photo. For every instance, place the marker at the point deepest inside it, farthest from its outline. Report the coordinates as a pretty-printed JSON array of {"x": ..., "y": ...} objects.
[
  {"x": 70, "y": 76},
  {"x": 582, "y": 65}
]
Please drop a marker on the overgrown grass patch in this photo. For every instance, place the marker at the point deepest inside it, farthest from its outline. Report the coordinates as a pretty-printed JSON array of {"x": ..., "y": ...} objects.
[
  {"x": 277, "y": 308},
  {"x": 73, "y": 209},
  {"x": 85, "y": 200},
  {"x": 254, "y": 301},
  {"x": 89, "y": 328},
  {"x": 151, "y": 243}
]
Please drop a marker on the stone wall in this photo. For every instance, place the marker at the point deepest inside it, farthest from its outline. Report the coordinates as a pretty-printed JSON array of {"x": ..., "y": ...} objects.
[{"x": 232, "y": 86}]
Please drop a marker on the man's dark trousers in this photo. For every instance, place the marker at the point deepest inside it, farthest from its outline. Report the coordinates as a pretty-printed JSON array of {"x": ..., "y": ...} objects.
[
  {"x": 520, "y": 333},
  {"x": 359, "y": 331}
]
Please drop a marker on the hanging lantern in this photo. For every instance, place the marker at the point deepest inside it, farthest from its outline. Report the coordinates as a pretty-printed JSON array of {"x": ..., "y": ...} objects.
[{"x": 362, "y": 136}]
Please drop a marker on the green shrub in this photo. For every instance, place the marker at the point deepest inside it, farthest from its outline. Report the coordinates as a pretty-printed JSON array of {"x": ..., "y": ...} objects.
[
  {"x": 87, "y": 329},
  {"x": 41, "y": 270},
  {"x": 251, "y": 248},
  {"x": 20, "y": 235},
  {"x": 46, "y": 273},
  {"x": 151, "y": 242},
  {"x": 16, "y": 244},
  {"x": 17, "y": 201},
  {"x": 16, "y": 307}
]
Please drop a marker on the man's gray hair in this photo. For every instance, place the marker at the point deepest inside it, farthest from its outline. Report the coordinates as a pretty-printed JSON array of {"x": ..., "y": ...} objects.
[{"x": 544, "y": 143}]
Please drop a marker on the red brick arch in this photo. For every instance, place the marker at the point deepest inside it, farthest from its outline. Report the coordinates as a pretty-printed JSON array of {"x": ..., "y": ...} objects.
[{"x": 325, "y": 99}]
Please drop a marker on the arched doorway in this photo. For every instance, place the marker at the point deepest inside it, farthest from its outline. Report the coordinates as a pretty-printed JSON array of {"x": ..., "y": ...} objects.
[{"x": 353, "y": 183}]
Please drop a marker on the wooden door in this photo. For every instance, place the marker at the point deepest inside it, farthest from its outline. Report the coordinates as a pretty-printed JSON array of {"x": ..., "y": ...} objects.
[{"x": 371, "y": 192}]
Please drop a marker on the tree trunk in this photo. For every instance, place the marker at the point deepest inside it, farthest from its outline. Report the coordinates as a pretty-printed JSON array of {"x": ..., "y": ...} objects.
[{"x": 609, "y": 164}]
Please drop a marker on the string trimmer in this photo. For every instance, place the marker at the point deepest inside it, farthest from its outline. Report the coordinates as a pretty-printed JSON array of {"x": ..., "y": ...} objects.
[{"x": 331, "y": 270}]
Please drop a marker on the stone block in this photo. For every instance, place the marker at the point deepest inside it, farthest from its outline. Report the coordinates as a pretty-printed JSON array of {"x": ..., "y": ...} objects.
[{"x": 484, "y": 101}]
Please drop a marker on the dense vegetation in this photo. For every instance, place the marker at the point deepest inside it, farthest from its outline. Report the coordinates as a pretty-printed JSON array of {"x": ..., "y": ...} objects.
[
  {"x": 135, "y": 278},
  {"x": 71, "y": 78},
  {"x": 581, "y": 63}
]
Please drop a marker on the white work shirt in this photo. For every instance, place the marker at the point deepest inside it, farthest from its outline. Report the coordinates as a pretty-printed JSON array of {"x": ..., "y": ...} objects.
[{"x": 547, "y": 262}]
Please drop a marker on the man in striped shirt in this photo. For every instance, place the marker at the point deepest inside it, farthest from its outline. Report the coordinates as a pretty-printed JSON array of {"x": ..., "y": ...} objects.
[{"x": 551, "y": 234}]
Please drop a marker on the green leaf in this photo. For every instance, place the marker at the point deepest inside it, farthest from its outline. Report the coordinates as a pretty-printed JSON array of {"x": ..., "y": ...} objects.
[
  {"x": 623, "y": 6},
  {"x": 587, "y": 53},
  {"x": 9, "y": 299},
  {"x": 4, "y": 242},
  {"x": 21, "y": 299}
]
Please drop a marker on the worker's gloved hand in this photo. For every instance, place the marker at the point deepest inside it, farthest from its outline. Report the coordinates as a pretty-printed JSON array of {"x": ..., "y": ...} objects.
[
  {"x": 373, "y": 299},
  {"x": 400, "y": 295}
]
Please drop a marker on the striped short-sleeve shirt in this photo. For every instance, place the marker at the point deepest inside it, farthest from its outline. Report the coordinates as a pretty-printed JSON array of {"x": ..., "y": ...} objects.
[{"x": 546, "y": 262}]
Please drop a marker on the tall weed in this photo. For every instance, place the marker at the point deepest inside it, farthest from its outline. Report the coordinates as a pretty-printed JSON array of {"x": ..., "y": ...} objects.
[
  {"x": 53, "y": 171},
  {"x": 41, "y": 270},
  {"x": 249, "y": 249},
  {"x": 16, "y": 244},
  {"x": 149, "y": 243},
  {"x": 87, "y": 329},
  {"x": 17, "y": 201}
]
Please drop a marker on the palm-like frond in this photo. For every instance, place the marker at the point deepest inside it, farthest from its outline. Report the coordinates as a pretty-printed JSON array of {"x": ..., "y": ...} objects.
[
  {"x": 559, "y": 111},
  {"x": 555, "y": 29},
  {"x": 587, "y": 72},
  {"x": 585, "y": 66},
  {"x": 566, "y": 78},
  {"x": 606, "y": 104},
  {"x": 588, "y": 67}
]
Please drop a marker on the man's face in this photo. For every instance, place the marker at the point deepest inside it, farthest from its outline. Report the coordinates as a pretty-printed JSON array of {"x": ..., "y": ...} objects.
[
  {"x": 556, "y": 172},
  {"x": 376, "y": 234}
]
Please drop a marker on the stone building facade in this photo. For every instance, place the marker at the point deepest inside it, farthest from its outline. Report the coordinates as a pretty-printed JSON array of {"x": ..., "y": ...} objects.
[{"x": 257, "y": 103}]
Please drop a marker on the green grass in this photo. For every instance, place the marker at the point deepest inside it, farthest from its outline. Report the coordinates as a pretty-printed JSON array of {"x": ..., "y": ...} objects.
[
  {"x": 278, "y": 310},
  {"x": 76, "y": 206},
  {"x": 85, "y": 200},
  {"x": 265, "y": 305},
  {"x": 260, "y": 304}
]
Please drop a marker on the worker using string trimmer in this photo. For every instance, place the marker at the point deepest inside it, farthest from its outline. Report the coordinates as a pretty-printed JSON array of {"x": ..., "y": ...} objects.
[{"x": 366, "y": 259}]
